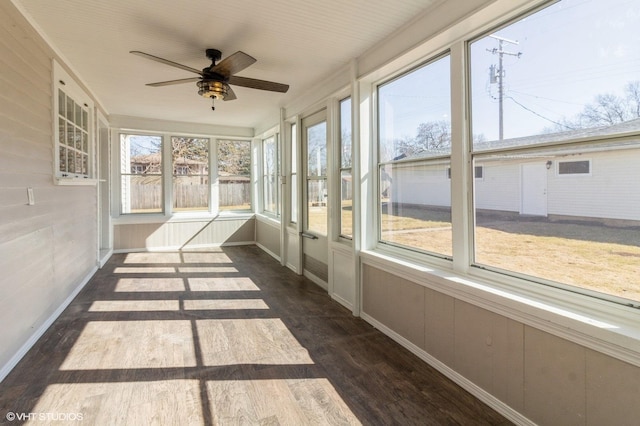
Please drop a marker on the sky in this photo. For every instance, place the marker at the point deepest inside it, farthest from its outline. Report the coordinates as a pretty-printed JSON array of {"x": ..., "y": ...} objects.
[{"x": 570, "y": 52}]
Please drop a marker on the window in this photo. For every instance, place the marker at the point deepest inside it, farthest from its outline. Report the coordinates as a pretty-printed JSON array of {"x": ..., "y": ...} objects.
[
  {"x": 190, "y": 161},
  {"x": 270, "y": 175},
  {"x": 73, "y": 129},
  {"x": 477, "y": 172},
  {"x": 293, "y": 178},
  {"x": 317, "y": 178},
  {"x": 181, "y": 170},
  {"x": 414, "y": 135},
  {"x": 346, "y": 184},
  {"x": 234, "y": 175},
  {"x": 542, "y": 92},
  {"x": 141, "y": 174},
  {"x": 574, "y": 167}
]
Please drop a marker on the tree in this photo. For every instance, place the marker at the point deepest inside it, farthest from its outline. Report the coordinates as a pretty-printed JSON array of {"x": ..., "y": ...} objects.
[
  {"x": 234, "y": 157},
  {"x": 430, "y": 136},
  {"x": 434, "y": 135},
  {"x": 190, "y": 152},
  {"x": 608, "y": 109},
  {"x": 632, "y": 90}
]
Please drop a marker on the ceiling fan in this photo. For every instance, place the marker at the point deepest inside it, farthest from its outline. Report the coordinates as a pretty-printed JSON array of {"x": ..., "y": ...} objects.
[{"x": 213, "y": 81}]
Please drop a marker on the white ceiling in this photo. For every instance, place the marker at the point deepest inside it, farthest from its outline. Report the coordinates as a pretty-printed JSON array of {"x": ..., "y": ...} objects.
[{"x": 296, "y": 42}]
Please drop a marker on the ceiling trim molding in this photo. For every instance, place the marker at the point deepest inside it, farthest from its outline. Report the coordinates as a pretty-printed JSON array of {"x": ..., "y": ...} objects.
[{"x": 142, "y": 124}]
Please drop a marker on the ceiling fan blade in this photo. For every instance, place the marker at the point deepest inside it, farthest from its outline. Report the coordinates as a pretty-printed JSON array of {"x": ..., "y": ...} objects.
[
  {"x": 165, "y": 61},
  {"x": 230, "y": 94},
  {"x": 233, "y": 64},
  {"x": 170, "y": 82},
  {"x": 258, "y": 84}
]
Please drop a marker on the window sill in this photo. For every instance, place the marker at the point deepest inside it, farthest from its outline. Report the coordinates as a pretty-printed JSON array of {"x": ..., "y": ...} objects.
[
  {"x": 594, "y": 323},
  {"x": 133, "y": 219},
  {"x": 71, "y": 181}
]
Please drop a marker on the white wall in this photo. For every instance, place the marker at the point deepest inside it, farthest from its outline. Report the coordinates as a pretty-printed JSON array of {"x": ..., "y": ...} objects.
[
  {"x": 46, "y": 250},
  {"x": 609, "y": 191},
  {"x": 420, "y": 185},
  {"x": 499, "y": 188}
]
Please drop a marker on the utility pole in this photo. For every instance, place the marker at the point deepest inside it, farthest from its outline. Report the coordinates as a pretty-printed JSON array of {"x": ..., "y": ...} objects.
[{"x": 499, "y": 75}]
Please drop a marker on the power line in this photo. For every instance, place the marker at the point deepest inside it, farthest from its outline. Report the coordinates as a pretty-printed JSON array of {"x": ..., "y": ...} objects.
[
  {"x": 540, "y": 115},
  {"x": 545, "y": 98}
]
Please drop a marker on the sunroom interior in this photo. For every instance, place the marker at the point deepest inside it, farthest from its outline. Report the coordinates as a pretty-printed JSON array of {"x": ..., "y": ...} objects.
[{"x": 462, "y": 176}]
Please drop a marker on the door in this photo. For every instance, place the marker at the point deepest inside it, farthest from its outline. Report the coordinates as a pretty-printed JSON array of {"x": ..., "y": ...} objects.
[
  {"x": 534, "y": 189},
  {"x": 315, "y": 255}
]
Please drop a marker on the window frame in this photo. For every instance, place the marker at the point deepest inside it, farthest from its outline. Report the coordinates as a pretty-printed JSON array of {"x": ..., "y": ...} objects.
[
  {"x": 396, "y": 249},
  {"x": 183, "y": 171},
  {"x": 578, "y": 141},
  {"x": 213, "y": 210},
  {"x": 63, "y": 81},
  {"x": 341, "y": 168},
  {"x": 215, "y": 175},
  {"x": 609, "y": 327},
  {"x": 318, "y": 118},
  {"x": 120, "y": 174},
  {"x": 294, "y": 172},
  {"x": 574, "y": 174},
  {"x": 265, "y": 173}
]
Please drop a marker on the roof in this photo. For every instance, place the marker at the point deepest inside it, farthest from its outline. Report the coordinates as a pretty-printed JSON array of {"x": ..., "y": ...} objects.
[
  {"x": 624, "y": 128},
  {"x": 544, "y": 138}
]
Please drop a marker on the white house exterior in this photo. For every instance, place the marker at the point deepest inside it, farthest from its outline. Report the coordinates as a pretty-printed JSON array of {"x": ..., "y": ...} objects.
[{"x": 577, "y": 182}]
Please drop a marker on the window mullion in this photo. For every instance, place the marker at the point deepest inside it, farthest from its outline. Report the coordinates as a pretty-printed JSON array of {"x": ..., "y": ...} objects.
[
  {"x": 461, "y": 202},
  {"x": 167, "y": 174},
  {"x": 214, "y": 182}
]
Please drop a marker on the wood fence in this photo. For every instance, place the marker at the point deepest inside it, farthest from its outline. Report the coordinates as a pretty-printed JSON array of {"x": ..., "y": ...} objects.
[{"x": 145, "y": 196}]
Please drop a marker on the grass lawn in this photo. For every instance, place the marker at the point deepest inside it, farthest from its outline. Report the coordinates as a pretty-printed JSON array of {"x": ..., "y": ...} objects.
[{"x": 601, "y": 258}]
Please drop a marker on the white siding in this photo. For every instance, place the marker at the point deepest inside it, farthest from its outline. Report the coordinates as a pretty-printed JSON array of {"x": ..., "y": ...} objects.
[
  {"x": 420, "y": 185},
  {"x": 48, "y": 249},
  {"x": 499, "y": 188},
  {"x": 611, "y": 190}
]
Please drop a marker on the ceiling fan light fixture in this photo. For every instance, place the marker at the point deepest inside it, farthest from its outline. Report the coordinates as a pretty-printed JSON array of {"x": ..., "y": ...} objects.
[{"x": 212, "y": 89}]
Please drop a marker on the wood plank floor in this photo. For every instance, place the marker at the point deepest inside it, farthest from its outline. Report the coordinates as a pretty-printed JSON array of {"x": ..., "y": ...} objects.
[{"x": 223, "y": 337}]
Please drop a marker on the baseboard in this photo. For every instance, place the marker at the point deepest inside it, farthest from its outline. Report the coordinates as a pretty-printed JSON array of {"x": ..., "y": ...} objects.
[
  {"x": 15, "y": 359},
  {"x": 269, "y": 252},
  {"x": 292, "y": 267},
  {"x": 484, "y": 396},
  {"x": 105, "y": 255},
  {"x": 316, "y": 280},
  {"x": 344, "y": 302}
]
